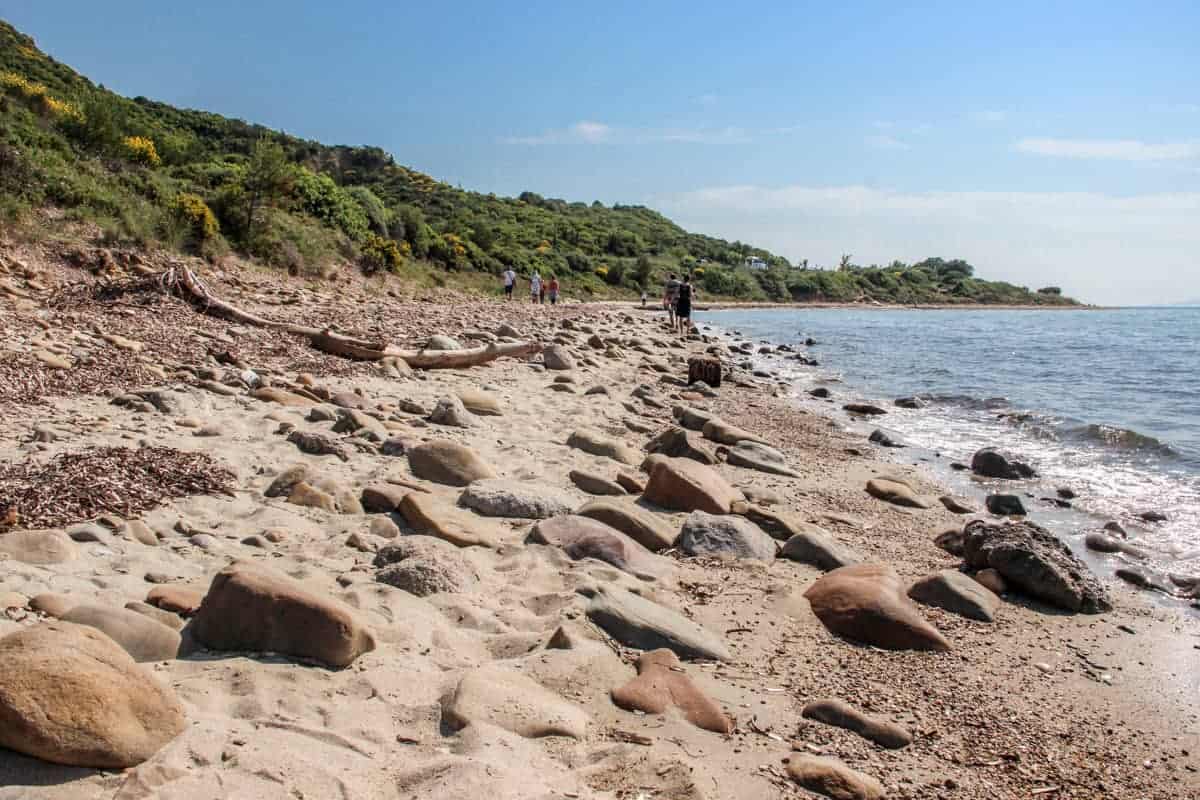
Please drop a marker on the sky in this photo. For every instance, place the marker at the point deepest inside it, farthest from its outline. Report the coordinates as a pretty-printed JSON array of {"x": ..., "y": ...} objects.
[{"x": 1046, "y": 143}]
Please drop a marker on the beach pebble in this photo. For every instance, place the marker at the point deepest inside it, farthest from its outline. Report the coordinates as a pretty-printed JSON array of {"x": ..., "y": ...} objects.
[
  {"x": 843, "y": 715},
  {"x": 661, "y": 684},
  {"x": 832, "y": 778},
  {"x": 144, "y": 638},
  {"x": 449, "y": 463}
]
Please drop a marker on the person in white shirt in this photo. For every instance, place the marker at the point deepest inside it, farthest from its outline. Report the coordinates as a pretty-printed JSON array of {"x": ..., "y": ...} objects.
[
  {"x": 510, "y": 280},
  {"x": 535, "y": 287}
]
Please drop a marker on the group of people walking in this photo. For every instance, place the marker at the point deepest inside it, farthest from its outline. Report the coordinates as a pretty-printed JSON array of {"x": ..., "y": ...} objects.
[
  {"x": 539, "y": 290},
  {"x": 677, "y": 300}
]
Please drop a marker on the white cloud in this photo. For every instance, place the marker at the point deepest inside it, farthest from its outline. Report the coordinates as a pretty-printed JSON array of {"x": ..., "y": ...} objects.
[
  {"x": 1110, "y": 149},
  {"x": 591, "y": 132},
  {"x": 881, "y": 142},
  {"x": 1102, "y": 248}
]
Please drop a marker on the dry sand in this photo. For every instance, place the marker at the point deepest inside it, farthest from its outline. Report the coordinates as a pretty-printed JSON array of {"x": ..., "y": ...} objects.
[{"x": 1036, "y": 704}]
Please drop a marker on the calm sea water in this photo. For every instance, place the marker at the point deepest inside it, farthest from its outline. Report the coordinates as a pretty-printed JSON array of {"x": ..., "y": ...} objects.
[{"x": 1104, "y": 402}]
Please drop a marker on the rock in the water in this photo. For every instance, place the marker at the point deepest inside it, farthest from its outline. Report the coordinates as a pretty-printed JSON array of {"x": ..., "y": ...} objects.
[
  {"x": 758, "y": 456},
  {"x": 909, "y": 402},
  {"x": 424, "y": 565},
  {"x": 50, "y": 546},
  {"x": 519, "y": 499},
  {"x": 557, "y": 357},
  {"x": 821, "y": 393},
  {"x": 727, "y": 536},
  {"x": 895, "y": 493},
  {"x": 1035, "y": 562},
  {"x": 866, "y": 603},
  {"x": 143, "y": 638},
  {"x": 635, "y": 522},
  {"x": 640, "y": 623},
  {"x": 597, "y": 445},
  {"x": 1145, "y": 579},
  {"x": 501, "y": 696},
  {"x": 431, "y": 515},
  {"x": 584, "y": 537},
  {"x": 447, "y": 462},
  {"x": 250, "y": 607},
  {"x": 70, "y": 695},
  {"x": 883, "y": 439},
  {"x": 480, "y": 403},
  {"x": 661, "y": 684},
  {"x": 592, "y": 483},
  {"x": 722, "y": 432},
  {"x": 864, "y": 409},
  {"x": 832, "y": 778},
  {"x": 992, "y": 463},
  {"x": 1006, "y": 505},
  {"x": 680, "y": 484},
  {"x": 957, "y": 593},
  {"x": 451, "y": 411},
  {"x": 843, "y": 715},
  {"x": 680, "y": 443}
]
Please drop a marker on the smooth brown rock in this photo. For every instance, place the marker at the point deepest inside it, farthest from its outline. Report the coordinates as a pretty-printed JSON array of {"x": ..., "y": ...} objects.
[
  {"x": 583, "y": 537},
  {"x": 145, "y": 639},
  {"x": 50, "y": 546},
  {"x": 592, "y": 483},
  {"x": 631, "y": 483},
  {"x": 309, "y": 496},
  {"x": 643, "y": 526},
  {"x": 680, "y": 484},
  {"x": 956, "y": 593},
  {"x": 52, "y": 604},
  {"x": 991, "y": 579},
  {"x": 598, "y": 445},
  {"x": 895, "y": 492},
  {"x": 250, "y": 607},
  {"x": 843, "y": 715},
  {"x": 431, "y": 515},
  {"x": 273, "y": 394},
  {"x": 182, "y": 600},
  {"x": 168, "y": 618},
  {"x": 70, "y": 695},
  {"x": 480, "y": 403},
  {"x": 722, "y": 432},
  {"x": 383, "y": 498},
  {"x": 661, "y": 684},
  {"x": 681, "y": 443},
  {"x": 866, "y": 603},
  {"x": 449, "y": 463},
  {"x": 832, "y": 778}
]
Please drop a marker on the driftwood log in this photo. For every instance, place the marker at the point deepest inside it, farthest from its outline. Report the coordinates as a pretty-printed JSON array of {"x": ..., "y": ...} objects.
[{"x": 181, "y": 279}]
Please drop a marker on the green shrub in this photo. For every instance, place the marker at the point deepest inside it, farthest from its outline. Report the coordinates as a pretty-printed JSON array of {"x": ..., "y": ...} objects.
[
  {"x": 320, "y": 197},
  {"x": 194, "y": 216},
  {"x": 381, "y": 253}
]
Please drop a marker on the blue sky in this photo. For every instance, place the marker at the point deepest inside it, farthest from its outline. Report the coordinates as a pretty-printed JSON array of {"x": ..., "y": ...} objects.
[{"x": 1046, "y": 143}]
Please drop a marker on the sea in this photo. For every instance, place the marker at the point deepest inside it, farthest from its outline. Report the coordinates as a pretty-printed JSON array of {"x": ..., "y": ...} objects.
[{"x": 1103, "y": 402}]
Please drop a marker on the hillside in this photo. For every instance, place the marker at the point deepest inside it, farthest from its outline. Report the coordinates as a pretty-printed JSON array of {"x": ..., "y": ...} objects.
[{"x": 146, "y": 173}]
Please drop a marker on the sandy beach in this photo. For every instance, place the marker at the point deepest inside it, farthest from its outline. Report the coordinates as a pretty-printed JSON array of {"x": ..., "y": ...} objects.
[{"x": 432, "y": 618}]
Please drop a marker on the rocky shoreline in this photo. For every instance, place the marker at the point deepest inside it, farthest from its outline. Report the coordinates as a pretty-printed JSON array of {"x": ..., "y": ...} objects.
[{"x": 572, "y": 575}]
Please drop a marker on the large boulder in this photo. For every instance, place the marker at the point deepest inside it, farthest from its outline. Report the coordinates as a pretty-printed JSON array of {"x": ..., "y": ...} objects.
[
  {"x": 501, "y": 696},
  {"x": 760, "y": 457},
  {"x": 726, "y": 536},
  {"x": 38, "y": 546},
  {"x": 447, "y": 462},
  {"x": 434, "y": 516},
  {"x": 866, "y": 603},
  {"x": 660, "y": 684},
  {"x": 598, "y": 445},
  {"x": 992, "y": 463},
  {"x": 583, "y": 537},
  {"x": 957, "y": 593},
  {"x": 1035, "y": 562},
  {"x": 641, "y": 623},
  {"x": 70, "y": 695},
  {"x": 680, "y": 484},
  {"x": 251, "y": 607},
  {"x": 145, "y": 639},
  {"x": 518, "y": 499},
  {"x": 635, "y": 522},
  {"x": 680, "y": 443}
]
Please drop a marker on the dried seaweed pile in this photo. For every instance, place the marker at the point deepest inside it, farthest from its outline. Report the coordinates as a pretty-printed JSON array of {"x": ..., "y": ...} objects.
[{"x": 81, "y": 485}]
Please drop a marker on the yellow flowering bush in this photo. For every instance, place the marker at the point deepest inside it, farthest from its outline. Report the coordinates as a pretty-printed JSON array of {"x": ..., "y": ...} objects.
[
  {"x": 62, "y": 111},
  {"x": 602, "y": 271},
  {"x": 379, "y": 252},
  {"x": 13, "y": 83},
  {"x": 698, "y": 271},
  {"x": 195, "y": 215},
  {"x": 141, "y": 150},
  {"x": 543, "y": 246}
]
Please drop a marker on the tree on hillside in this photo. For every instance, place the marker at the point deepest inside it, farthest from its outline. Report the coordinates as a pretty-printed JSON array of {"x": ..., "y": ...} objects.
[
  {"x": 267, "y": 175},
  {"x": 845, "y": 264}
]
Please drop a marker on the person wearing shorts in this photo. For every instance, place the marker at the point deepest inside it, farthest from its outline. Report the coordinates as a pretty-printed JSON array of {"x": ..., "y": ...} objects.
[
  {"x": 553, "y": 290},
  {"x": 510, "y": 280},
  {"x": 535, "y": 287},
  {"x": 670, "y": 291},
  {"x": 683, "y": 306}
]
